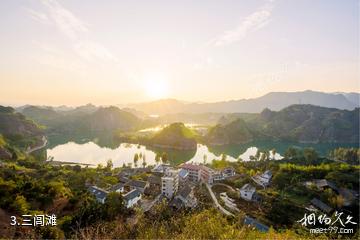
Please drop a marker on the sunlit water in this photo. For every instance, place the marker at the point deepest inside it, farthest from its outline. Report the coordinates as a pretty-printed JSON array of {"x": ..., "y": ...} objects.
[{"x": 91, "y": 153}]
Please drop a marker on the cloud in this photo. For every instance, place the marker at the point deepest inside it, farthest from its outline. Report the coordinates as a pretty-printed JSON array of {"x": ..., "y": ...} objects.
[
  {"x": 74, "y": 29},
  {"x": 251, "y": 23},
  {"x": 38, "y": 16}
]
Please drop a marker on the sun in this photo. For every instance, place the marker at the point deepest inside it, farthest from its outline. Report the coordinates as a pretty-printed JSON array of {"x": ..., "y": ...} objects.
[{"x": 156, "y": 86}]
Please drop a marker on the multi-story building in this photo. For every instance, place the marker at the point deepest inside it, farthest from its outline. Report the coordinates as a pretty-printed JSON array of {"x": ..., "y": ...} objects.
[
  {"x": 170, "y": 183},
  {"x": 194, "y": 171}
]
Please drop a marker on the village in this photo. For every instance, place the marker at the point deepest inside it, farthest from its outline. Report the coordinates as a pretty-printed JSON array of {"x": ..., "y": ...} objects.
[{"x": 179, "y": 186}]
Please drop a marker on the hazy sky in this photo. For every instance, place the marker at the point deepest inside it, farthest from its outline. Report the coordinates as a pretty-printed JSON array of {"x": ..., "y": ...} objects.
[{"x": 109, "y": 52}]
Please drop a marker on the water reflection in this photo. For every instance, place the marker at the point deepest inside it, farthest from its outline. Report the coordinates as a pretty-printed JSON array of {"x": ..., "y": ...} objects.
[{"x": 120, "y": 154}]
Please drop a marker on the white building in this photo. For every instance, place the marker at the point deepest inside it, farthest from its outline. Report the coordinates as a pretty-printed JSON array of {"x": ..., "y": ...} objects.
[
  {"x": 117, "y": 188},
  {"x": 194, "y": 171},
  {"x": 132, "y": 198},
  {"x": 263, "y": 179},
  {"x": 99, "y": 193},
  {"x": 247, "y": 192},
  {"x": 170, "y": 183}
]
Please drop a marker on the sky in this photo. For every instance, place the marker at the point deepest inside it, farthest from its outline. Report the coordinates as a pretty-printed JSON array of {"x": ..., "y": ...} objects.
[{"x": 73, "y": 52}]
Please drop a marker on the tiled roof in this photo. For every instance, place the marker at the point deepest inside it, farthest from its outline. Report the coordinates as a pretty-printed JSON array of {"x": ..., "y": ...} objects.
[
  {"x": 259, "y": 226},
  {"x": 136, "y": 183},
  {"x": 322, "y": 206},
  {"x": 191, "y": 166},
  {"x": 248, "y": 187},
  {"x": 98, "y": 192},
  {"x": 132, "y": 194},
  {"x": 117, "y": 186}
]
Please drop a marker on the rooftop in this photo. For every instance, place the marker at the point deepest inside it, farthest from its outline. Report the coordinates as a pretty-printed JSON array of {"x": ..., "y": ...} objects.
[
  {"x": 259, "y": 226},
  {"x": 322, "y": 206},
  {"x": 193, "y": 167},
  {"x": 117, "y": 186},
  {"x": 248, "y": 187},
  {"x": 98, "y": 192},
  {"x": 136, "y": 183},
  {"x": 132, "y": 194}
]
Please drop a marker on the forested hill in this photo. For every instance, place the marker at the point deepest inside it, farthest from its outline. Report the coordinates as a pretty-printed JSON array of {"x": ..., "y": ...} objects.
[
  {"x": 83, "y": 120},
  {"x": 175, "y": 136},
  {"x": 301, "y": 123},
  {"x": 16, "y": 128}
]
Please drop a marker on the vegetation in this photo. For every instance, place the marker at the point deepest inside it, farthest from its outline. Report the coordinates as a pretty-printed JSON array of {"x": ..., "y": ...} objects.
[
  {"x": 348, "y": 155},
  {"x": 300, "y": 123},
  {"x": 175, "y": 136}
]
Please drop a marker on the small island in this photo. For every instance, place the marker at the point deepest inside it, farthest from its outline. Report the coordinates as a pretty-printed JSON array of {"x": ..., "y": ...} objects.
[{"x": 175, "y": 136}]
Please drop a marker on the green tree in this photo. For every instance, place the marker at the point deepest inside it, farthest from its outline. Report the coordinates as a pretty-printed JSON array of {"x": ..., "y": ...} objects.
[
  {"x": 310, "y": 155},
  {"x": 157, "y": 158},
  {"x": 164, "y": 157},
  {"x": 257, "y": 155},
  {"x": 20, "y": 205},
  {"x": 291, "y": 152},
  {"x": 109, "y": 165},
  {"x": 114, "y": 205},
  {"x": 273, "y": 153},
  {"x": 136, "y": 159}
]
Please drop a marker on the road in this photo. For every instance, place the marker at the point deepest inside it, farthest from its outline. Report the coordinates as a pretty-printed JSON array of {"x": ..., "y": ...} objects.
[
  {"x": 225, "y": 185},
  {"x": 218, "y": 206},
  {"x": 37, "y": 147},
  {"x": 146, "y": 206}
]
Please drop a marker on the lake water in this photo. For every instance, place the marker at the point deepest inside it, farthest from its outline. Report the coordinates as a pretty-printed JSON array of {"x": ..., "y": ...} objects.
[{"x": 91, "y": 153}]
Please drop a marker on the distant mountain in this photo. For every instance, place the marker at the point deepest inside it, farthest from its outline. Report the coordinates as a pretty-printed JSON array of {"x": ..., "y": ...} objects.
[
  {"x": 235, "y": 132},
  {"x": 301, "y": 123},
  {"x": 17, "y": 129},
  {"x": 175, "y": 136},
  {"x": 83, "y": 120},
  {"x": 274, "y": 101},
  {"x": 353, "y": 97}
]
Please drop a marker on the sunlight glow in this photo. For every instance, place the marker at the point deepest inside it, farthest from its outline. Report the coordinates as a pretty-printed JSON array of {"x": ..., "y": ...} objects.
[{"x": 156, "y": 85}]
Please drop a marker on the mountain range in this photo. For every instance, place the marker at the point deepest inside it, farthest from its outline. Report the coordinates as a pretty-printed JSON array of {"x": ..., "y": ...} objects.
[
  {"x": 298, "y": 123},
  {"x": 274, "y": 101}
]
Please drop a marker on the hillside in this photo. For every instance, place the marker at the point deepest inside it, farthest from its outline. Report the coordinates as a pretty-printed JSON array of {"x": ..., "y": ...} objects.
[
  {"x": 274, "y": 101},
  {"x": 83, "y": 120},
  {"x": 17, "y": 129},
  {"x": 300, "y": 123},
  {"x": 175, "y": 136},
  {"x": 235, "y": 132}
]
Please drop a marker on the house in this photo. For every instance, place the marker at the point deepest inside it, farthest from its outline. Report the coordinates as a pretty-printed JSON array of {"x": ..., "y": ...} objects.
[
  {"x": 321, "y": 184},
  {"x": 170, "y": 183},
  {"x": 132, "y": 198},
  {"x": 254, "y": 223},
  {"x": 263, "y": 179},
  {"x": 99, "y": 193},
  {"x": 247, "y": 192},
  {"x": 320, "y": 205},
  {"x": 118, "y": 188},
  {"x": 186, "y": 196},
  {"x": 228, "y": 172},
  {"x": 160, "y": 168},
  {"x": 137, "y": 184},
  {"x": 123, "y": 179},
  {"x": 194, "y": 171},
  {"x": 127, "y": 172}
]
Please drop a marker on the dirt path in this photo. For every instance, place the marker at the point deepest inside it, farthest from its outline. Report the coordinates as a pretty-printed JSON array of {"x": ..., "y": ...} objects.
[
  {"x": 218, "y": 206},
  {"x": 38, "y": 147}
]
